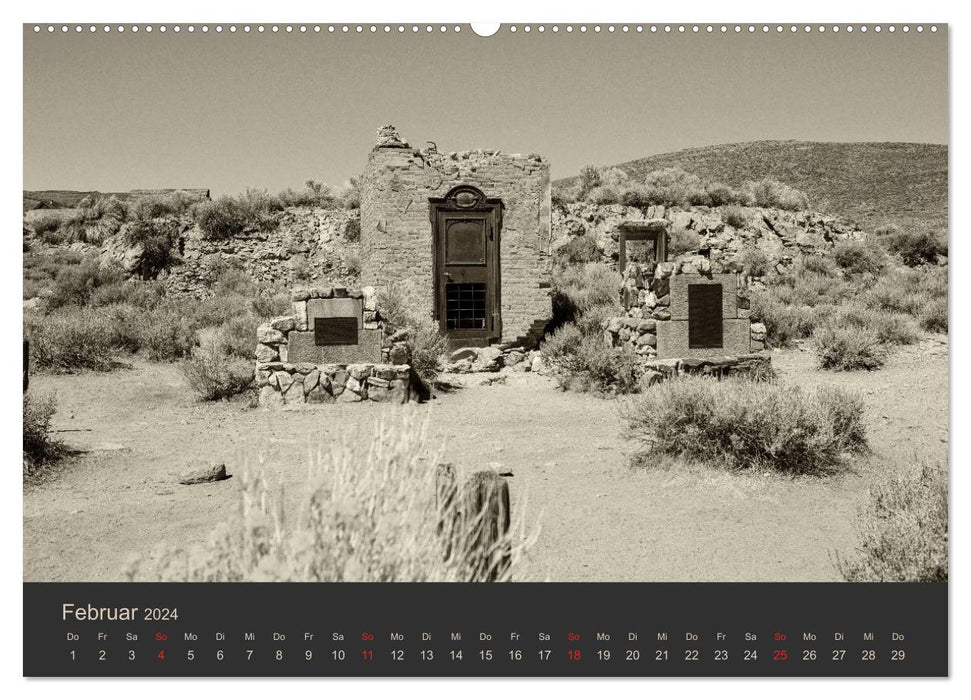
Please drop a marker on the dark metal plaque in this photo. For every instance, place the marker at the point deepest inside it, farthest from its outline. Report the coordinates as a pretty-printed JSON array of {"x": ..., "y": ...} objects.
[
  {"x": 705, "y": 316},
  {"x": 340, "y": 330}
]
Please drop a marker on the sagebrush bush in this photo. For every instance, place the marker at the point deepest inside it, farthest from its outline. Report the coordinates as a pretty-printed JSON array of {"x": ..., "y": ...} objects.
[
  {"x": 859, "y": 257},
  {"x": 734, "y": 216},
  {"x": 584, "y": 361},
  {"x": 915, "y": 247},
  {"x": 229, "y": 216},
  {"x": 158, "y": 240},
  {"x": 405, "y": 307},
  {"x": 849, "y": 348},
  {"x": 237, "y": 336},
  {"x": 903, "y": 530},
  {"x": 352, "y": 231},
  {"x": 137, "y": 293},
  {"x": 167, "y": 333},
  {"x": 747, "y": 425},
  {"x": 771, "y": 193},
  {"x": 820, "y": 265},
  {"x": 368, "y": 512},
  {"x": 48, "y": 228},
  {"x": 213, "y": 375},
  {"x": 577, "y": 251},
  {"x": 578, "y": 289},
  {"x": 933, "y": 316},
  {"x": 170, "y": 205},
  {"x": 71, "y": 339},
  {"x": 755, "y": 262},
  {"x": 76, "y": 284},
  {"x": 312, "y": 194},
  {"x": 683, "y": 241},
  {"x": 888, "y": 327},
  {"x": 784, "y": 323},
  {"x": 39, "y": 448}
]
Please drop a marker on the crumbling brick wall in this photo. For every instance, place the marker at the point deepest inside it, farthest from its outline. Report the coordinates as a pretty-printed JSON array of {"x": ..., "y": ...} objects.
[{"x": 396, "y": 232}]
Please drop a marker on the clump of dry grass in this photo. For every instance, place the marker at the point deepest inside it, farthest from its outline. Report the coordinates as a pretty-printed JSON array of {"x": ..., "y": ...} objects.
[{"x": 369, "y": 511}]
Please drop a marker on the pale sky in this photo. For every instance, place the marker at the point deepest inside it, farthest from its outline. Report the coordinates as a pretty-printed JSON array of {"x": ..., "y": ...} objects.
[{"x": 229, "y": 111}]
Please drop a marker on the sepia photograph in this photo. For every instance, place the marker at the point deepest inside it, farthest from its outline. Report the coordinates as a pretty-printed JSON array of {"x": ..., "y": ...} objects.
[{"x": 392, "y": 304}]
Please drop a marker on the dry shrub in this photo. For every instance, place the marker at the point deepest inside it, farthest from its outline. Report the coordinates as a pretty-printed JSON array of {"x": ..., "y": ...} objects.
[
  {"x": 579, "y": 289},
  {"x": 773, "y": 194},
  {"x": 903, "y": 530},
  {"x": 77, "y": 284},
  {"x": 859, "y": 257},
  {"x": 684, "y": 241},
  {"x": 820, "y": 265},
  {"x": 167, "y": 333},
  {"x": 748, "y": 425},
  {"x": 213, "y": 375},
  {"x": 755, "y": 262},
  {"x": 933, "y": 316},
  {"x": 71, "y": 339},
  {"x": 230, "y": 216},
  {"x": 368, "y": 512},
  {"x": 915, "y": 247},
  {"x": 851, "y": 348},
  {"x": 734, "y": 216},
  {"x": 578, "y": 250},
  {"x": 39, "y": 448},
  {"x": 406, "y": 308},
  {"x": 784, "y": 322},
  {"x": 890, "y": 328}
]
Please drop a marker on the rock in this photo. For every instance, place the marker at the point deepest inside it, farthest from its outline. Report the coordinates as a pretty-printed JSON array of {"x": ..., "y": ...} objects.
[
  {"x": 350, "y": 396},
  {"x": 519, "y": 367},
  {"x": 263, "y": 377},
  {"x": 266, "y": 353},
  {"x": 378, "y": 382},
  {"x": 647, "y": 325},
  {"x": 513, "y": 358},
  {"x": 385, "y": 372},
  {"x": 398, "y": 354},
  {"x": 311, "y": 381},
  {"x": 661, "y": 314},
  {"x": 370, "y": 298},
  {"x": 353, "y": 385},
  {"x": 462, "y": 354},
  {"x": 359, "y": 371},
  {"x": 488, "y": 355},
  {"x": 270, "y": 396},
  {"x": 647, "y": 339},
  {"x": 294, "y": 393},
  {"x": 283, "y": 380},
  {"x": 537, "y": 364},
  {"x": 203, "y": 474},
  {"x": 614, "y": 325},
  {"x": 758, "y": 329},
  {"x": 319, "y": 395},
  {"x": 340, "y": 292},
  {"x": 339, "y": 380},
  {"x": 304, "y": 367},
  {"x": 460, "y": 367},
  {"x": 284, "y": 324},
  {"x": 300, "y": 294}
]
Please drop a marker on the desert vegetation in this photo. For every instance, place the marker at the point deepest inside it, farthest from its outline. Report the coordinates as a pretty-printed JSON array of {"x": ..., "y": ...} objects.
[
  {"x": 369, "y": 511},
  {"x": 404, "y": 308},
  {"x": 40, "y": 448},
  {"x": 674, "y": 187},
  {"x": 903, "y": 530},
  {"x": 747, "y": 425}
]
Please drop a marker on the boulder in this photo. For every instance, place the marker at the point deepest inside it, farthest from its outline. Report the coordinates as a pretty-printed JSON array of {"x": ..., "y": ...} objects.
[
  {"x": 462, "y": 354},
  {"x": 319, "y": 394},
  {"x": 661, "y": 314},
  {"x": 284, "y": 324},
  {"x": 647, "y": 325},
  {"x": 513, "y": 358},
  {"x": 304, "y": 367},
  {"x": 266, "y": 353},
  {"x": 283, "y": 380},
  {"x": 488, "y": 354},
  {"x": 311, "y": 381},
  {"x": 203, "y": 474},
  {"x": 647, "y": 339},
  {"x": 270, "y": 396}
]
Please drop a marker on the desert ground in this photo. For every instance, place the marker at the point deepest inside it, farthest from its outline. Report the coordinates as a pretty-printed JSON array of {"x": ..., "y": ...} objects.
[{"x": 133, "y": 430}]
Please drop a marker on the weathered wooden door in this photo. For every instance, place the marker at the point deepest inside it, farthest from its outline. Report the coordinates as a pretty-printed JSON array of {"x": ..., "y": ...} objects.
[{"x": 466, "y": 229}]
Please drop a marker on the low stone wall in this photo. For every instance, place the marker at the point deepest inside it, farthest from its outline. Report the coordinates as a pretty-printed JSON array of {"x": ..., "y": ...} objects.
[
  {"x": 647, "y": 297},
  {"x": 752, "y": 364},
  {"x": 292, "y": 369},
  {"x": 284, "y": 383}
]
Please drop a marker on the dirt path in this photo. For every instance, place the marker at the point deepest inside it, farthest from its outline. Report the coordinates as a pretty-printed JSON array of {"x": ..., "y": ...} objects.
[{"x": 600, "y": 520}]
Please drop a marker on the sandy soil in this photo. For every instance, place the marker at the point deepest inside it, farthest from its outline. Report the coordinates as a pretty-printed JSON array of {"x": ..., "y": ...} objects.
[{"x": 599, "y": 519}]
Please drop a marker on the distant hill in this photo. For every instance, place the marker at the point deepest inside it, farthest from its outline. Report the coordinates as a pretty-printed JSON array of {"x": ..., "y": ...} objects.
[
  {"x": 872, "y": 183},
  {"x": 68, "y": 199}
]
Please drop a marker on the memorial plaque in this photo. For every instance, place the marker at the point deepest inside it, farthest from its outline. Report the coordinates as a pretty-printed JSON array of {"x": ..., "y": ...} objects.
[
  {"x": 340, "y": 330},
  {"x": 704, "y": 316}
]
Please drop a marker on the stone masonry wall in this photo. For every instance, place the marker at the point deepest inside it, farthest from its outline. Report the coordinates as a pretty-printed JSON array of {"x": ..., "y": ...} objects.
[
  {"x": 291, "y": 369},
  {"x": 396, "y": 232}
]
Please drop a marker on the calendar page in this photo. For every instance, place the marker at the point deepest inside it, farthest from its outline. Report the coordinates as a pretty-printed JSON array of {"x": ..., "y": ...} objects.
[{"x": 527, "y": 349}]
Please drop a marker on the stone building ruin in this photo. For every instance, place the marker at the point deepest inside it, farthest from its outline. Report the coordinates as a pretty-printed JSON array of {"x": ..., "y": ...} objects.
[
  {"x": 470, "y": 233},
  {"x": 469, "y": 229}
]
